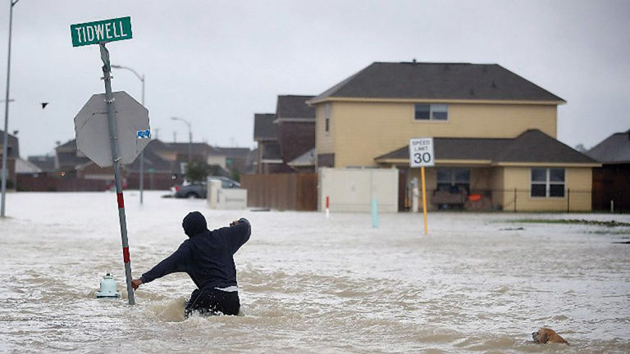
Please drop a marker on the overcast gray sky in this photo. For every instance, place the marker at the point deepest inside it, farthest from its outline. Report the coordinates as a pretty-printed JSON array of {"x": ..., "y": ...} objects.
[{"x": 216, "y": 63}]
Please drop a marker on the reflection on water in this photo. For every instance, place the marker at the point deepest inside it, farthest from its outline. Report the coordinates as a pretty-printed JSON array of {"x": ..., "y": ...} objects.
[{"x": 309, "y": 284}]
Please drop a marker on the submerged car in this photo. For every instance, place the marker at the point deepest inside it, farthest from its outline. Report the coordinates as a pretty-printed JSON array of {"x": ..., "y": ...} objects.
[
  {"x": 200, "y": 189},
  {"x": 189, "y": 190}
]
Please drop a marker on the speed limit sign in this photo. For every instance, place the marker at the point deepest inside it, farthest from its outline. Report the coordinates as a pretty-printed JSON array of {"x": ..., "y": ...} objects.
[{"x": 421, "y": 152}]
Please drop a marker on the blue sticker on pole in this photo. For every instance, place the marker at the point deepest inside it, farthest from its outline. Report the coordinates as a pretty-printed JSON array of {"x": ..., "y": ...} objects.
[{"x": 144, "y": 134}]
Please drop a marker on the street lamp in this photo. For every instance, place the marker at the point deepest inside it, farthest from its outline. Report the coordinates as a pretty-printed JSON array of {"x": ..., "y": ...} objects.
[
  {"x": 141, "y": 78},
  {"x": 189, "y": 136},
  {"x": 5, "y": 142}
]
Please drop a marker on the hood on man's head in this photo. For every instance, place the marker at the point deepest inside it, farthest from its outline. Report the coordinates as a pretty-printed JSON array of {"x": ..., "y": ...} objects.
[{"x": 194, "y": 223}]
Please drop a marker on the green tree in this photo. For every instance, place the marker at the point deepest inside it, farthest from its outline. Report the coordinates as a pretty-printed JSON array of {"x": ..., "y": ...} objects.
[
  {"x": 197, "y": 171},
  {"x": 236, "y": 175}
]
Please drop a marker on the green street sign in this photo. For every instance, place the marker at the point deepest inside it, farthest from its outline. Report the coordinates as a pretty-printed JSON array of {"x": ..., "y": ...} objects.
[{"x": 97, "y": 32}]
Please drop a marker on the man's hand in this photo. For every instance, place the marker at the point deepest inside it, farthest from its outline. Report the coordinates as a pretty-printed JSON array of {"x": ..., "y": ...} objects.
[
  {"x": 135, "y": 284},
  {"x": 234, "y": 223}
]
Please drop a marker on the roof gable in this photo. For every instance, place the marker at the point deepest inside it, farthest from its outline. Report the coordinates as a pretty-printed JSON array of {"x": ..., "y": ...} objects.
[
  {"x": 68, "y": 146},
  {"x": 536, "y": 146},
  {"x": 614, "y": 149},
  {"x": 450, "y": 81},
  {"x": 291, "y": 106},
  {"x": 264, "y": 129},
  {"x": 532, "y": 146}
]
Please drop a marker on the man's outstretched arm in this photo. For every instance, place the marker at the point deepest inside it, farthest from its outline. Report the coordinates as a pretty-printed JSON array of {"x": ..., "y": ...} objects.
[{"x": 239, "y": 233}]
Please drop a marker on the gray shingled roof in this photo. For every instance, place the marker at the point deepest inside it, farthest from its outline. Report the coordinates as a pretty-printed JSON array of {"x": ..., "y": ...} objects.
[
  {"x": 264, "y": 128},
  {"x": 70, "y": 160},
  {"x": 531, "y": 146},
  {"x": 67, "y": 155},
  {"x": 294, "y": 107},
  {"x": 45, "y": 163},
  {"x": 614, "y": 149},
  {"x": 153, "y": 160},
  {"x": 456, "y": 81},
  {"x": 234, "y": 152},
  {"x": 196, "y": 148}
]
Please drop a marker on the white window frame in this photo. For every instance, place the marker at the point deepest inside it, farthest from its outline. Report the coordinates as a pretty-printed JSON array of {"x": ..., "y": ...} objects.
[
  {"x": 548, "y": 183},
  {"x": 434, "y": 109}
]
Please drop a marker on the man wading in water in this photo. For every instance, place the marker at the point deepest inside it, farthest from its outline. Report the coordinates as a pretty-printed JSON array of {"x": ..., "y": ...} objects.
[{"x": 207, "y": 257}]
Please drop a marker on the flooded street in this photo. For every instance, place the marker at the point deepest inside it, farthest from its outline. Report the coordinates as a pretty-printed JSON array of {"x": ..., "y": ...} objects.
[{"x": 308, "y": 284}]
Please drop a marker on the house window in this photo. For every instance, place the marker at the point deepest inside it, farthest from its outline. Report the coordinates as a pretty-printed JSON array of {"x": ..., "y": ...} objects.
[
  {"x": 424, "y": 111},
  {"x": 453, "y": 180},
  {"x": 327, "y": 117},
  {"x": 547, "y": 182}
]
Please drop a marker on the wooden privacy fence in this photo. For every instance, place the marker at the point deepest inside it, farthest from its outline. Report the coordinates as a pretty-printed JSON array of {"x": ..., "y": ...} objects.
[
  {"x": 44, "y": 183},
  {"x": 283, "y": 191}
]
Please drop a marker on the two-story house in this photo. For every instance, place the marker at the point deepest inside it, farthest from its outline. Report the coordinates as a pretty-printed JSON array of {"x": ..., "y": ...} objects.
[
  {"x": 495, "y": 133},
  {"x": 269, "y": 159},
  {"x": 13, "y": 153},
  {"x": 286, "y": 138}
]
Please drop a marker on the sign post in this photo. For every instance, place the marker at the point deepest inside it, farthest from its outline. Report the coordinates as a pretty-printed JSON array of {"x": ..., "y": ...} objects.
[
  {"x": 87, "y": 123},
  {"x": 421, "y": 155}
]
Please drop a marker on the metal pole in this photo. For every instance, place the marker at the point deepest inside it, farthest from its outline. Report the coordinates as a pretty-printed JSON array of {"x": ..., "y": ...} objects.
[
  {"x": 424, "y": 200},
  {"x": 5, "y": 142},
  {"x": 141, "y": 78},
  {"x": 189, "y": 135},
  {"x": 189, "y": 142},
  {"x": 116, "y": 159},
  {"x": 142, "y": 154}
]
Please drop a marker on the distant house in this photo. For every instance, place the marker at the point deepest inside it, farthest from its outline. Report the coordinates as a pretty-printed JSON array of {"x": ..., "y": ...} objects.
[
  {"x": 232, "y": 161},
  {"x": 495, "y": 134},
  {"x": 13, "y": 153},
  {"x": 25, "y": 167},
  {"x": 269, "y": 158},
  {"x": 161, "y": 168},
  {"x": 185, "y": 152},
  {"x": 69, "y": 160},
  {"x": 611, "y": 182},
  {"x": 296, "y": 126},
  {"x": 45, "y": 163},
  {"x": 286, "y": 136}
]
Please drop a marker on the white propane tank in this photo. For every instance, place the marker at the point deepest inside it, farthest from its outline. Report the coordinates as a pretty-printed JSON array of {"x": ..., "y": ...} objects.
[{"x": 108, "y": 287}]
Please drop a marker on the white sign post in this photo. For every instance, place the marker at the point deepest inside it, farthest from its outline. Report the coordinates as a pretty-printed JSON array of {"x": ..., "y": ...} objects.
[{"x": 421, "y": 155}]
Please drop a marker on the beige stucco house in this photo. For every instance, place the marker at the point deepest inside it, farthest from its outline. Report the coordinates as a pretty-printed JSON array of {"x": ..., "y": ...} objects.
[{"x": 494, "y": 135}]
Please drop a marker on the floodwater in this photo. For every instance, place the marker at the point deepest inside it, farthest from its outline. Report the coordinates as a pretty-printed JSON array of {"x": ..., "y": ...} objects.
[{"x": 477, "y": 283}]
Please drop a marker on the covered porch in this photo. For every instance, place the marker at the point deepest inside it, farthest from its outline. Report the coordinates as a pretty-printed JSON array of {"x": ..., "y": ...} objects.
[{"x": 532, "y": 172}]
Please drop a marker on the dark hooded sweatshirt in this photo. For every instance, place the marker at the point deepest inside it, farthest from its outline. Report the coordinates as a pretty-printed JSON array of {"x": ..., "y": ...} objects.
[{"x": 207, "y": 256}]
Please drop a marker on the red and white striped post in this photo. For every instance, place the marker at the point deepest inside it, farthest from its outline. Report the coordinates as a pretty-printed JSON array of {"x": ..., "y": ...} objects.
[{"x": 327, "y": 206}]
